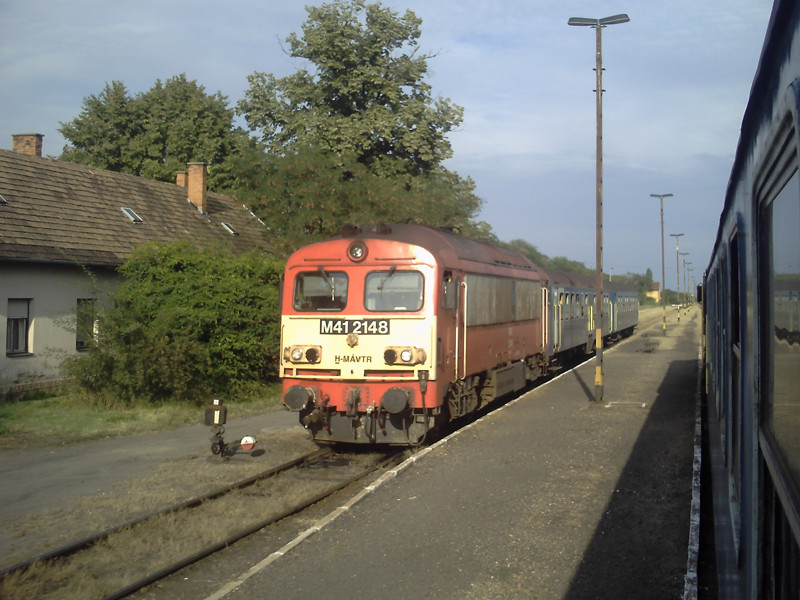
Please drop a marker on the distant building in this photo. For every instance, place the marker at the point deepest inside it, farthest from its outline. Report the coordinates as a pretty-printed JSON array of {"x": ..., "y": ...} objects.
[
  {"x": 64, "y": 231},
  {"x": 654, "y": 292}
]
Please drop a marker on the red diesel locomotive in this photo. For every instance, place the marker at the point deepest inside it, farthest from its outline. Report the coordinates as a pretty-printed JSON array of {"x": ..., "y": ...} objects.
[{"x": 390, "y": 332}]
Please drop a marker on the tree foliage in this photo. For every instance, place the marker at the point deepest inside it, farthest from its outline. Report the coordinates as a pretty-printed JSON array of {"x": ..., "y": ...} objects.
[
  {"x": 310, "y": 194},
  {"x": 156, "y": 133},
  {"x": 530, "y": 251},
  {"x": 185, "y": 324},
  {"x": 364, "y": 94}
]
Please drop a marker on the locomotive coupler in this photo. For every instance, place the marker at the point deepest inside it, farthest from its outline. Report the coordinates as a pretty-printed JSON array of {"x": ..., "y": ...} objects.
[
  {"x": 372, "y": 420},
  {"x": 352, "y": 402}
]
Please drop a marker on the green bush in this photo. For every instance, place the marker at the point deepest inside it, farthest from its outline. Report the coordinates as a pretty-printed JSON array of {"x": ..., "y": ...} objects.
[{"x": 185, "y": 324}]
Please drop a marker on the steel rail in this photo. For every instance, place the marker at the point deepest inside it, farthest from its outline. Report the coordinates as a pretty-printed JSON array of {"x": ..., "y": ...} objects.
[
  {"x": 216, "y": 547},
  {"x": 89, "y": 541}
]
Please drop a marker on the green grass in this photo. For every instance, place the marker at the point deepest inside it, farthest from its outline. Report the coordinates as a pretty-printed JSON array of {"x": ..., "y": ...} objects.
[{"x": 71, "y": 418}]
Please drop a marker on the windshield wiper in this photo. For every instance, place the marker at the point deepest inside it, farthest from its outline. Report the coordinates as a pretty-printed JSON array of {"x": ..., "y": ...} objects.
[
  {"x": 387, "y": 278},
  {"x": 329, "y": 280}
]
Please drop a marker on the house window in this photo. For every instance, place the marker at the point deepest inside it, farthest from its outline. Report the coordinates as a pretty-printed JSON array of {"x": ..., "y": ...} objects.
[
  {"x": 85, "y": 323},
  {"x": 17, "y": 326}
]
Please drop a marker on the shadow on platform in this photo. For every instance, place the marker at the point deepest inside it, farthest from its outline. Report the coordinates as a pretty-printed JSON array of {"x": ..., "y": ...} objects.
[{"x": 639, "y": 548}]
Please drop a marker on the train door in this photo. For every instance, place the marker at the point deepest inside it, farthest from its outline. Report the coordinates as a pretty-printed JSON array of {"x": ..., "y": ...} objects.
[
  {"x": 614, "y": 308},
  {"x": 546, "y": 319},
  {"x": 558, "y": 309},
  {"x": 451, "y": 327},
  {"x": 461, "y": 331}
]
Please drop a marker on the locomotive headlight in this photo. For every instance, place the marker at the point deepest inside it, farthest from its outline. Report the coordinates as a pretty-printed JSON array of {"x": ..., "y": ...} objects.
[
  {"x": 303, "y": 354},
  {"x": 405, "y": 355}
]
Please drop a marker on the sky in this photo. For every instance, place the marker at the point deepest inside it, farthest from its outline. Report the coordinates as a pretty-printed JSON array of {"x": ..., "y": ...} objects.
[{"x": 676, "y": 80}]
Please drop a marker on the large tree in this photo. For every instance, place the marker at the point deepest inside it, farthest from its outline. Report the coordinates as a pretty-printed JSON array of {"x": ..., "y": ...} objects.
[
  {"x": 364, "y": 92},
  {"x": 154, "y": 134},
  {"x": 101, "y": 136},
  {"x": 356, "y": 136}
]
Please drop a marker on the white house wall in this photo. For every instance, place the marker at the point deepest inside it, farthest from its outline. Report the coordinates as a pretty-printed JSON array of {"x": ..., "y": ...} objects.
[{"x": 53, "y": 291}]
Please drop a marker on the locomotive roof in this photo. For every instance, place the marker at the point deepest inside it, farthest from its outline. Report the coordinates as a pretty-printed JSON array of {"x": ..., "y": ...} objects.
[
  {"x": 451, "y": 249},
  {"x": 447, "y": 245}
]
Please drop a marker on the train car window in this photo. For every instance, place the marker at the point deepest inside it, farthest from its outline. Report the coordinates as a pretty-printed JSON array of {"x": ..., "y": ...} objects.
[
  {"x": 782, "y": 330},
  {"x": 320, "y": 291},
  {"x": 393, "y": 291},
  {"x": 449, "y": 292}
]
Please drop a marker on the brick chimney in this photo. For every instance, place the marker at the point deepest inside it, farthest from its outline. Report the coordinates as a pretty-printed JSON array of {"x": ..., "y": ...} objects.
[
  {"x": 197, "y": 185},
  {"x": 27, "y": 143},
  {"x": 182, "y": 179}
]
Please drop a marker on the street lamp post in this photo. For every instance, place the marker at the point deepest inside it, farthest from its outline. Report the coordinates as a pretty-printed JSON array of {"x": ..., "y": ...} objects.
[
  {"x": 685, "y": 289},
  {"x": 687, "y": 280},
  {"x": 598, "y": 25},
  {"x": 677, "y": 270},
  {"x": 663, "y": 279}
]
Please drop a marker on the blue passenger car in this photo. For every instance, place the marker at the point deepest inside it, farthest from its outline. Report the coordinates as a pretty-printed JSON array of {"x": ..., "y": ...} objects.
[{"x": 752, "y": 338}]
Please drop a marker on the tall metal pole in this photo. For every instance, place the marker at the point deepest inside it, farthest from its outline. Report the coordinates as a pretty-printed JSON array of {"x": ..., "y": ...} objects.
[
  {"x": 663, "y": 278},
  {"x": 687, "y": 269},
  {"x": 598, "y": 25},
  {"x": 598, "y": 369},
  {"x": 685, "y": 289},
  {"x": 677, "y": 270}
]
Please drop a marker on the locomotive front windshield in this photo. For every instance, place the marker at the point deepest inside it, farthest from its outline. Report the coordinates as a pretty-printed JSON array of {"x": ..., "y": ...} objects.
[
  {"x": 320, "y": 291},
  {"x": 393, "y": 291}
]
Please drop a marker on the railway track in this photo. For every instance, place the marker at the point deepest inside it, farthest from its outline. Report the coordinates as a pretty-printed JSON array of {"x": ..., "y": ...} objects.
[{"x": 121, "y": 560}]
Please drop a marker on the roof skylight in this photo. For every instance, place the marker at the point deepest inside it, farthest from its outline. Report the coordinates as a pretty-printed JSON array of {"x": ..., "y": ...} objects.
[{"x": 131, "y": 214}]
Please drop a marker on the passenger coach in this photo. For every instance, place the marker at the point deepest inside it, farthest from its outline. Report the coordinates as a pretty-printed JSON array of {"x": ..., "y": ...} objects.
[{"x": 752, "y": 335}]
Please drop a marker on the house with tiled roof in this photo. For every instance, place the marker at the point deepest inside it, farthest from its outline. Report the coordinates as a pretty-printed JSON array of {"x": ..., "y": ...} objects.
[{"x": 64, "y": 231}]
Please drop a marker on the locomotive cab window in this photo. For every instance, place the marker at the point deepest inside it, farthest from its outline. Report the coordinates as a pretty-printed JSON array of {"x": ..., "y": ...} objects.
[
  {"x": 393, "y": 291},
  {"x": 320, "y": 291}
]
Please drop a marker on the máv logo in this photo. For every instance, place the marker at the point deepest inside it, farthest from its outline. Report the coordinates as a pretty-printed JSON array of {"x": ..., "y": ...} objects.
[{"x": 338, "y": 359}]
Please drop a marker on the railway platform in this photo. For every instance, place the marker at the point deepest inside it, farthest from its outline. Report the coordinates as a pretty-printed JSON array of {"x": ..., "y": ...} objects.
[{"x": 553, "y": 496}]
